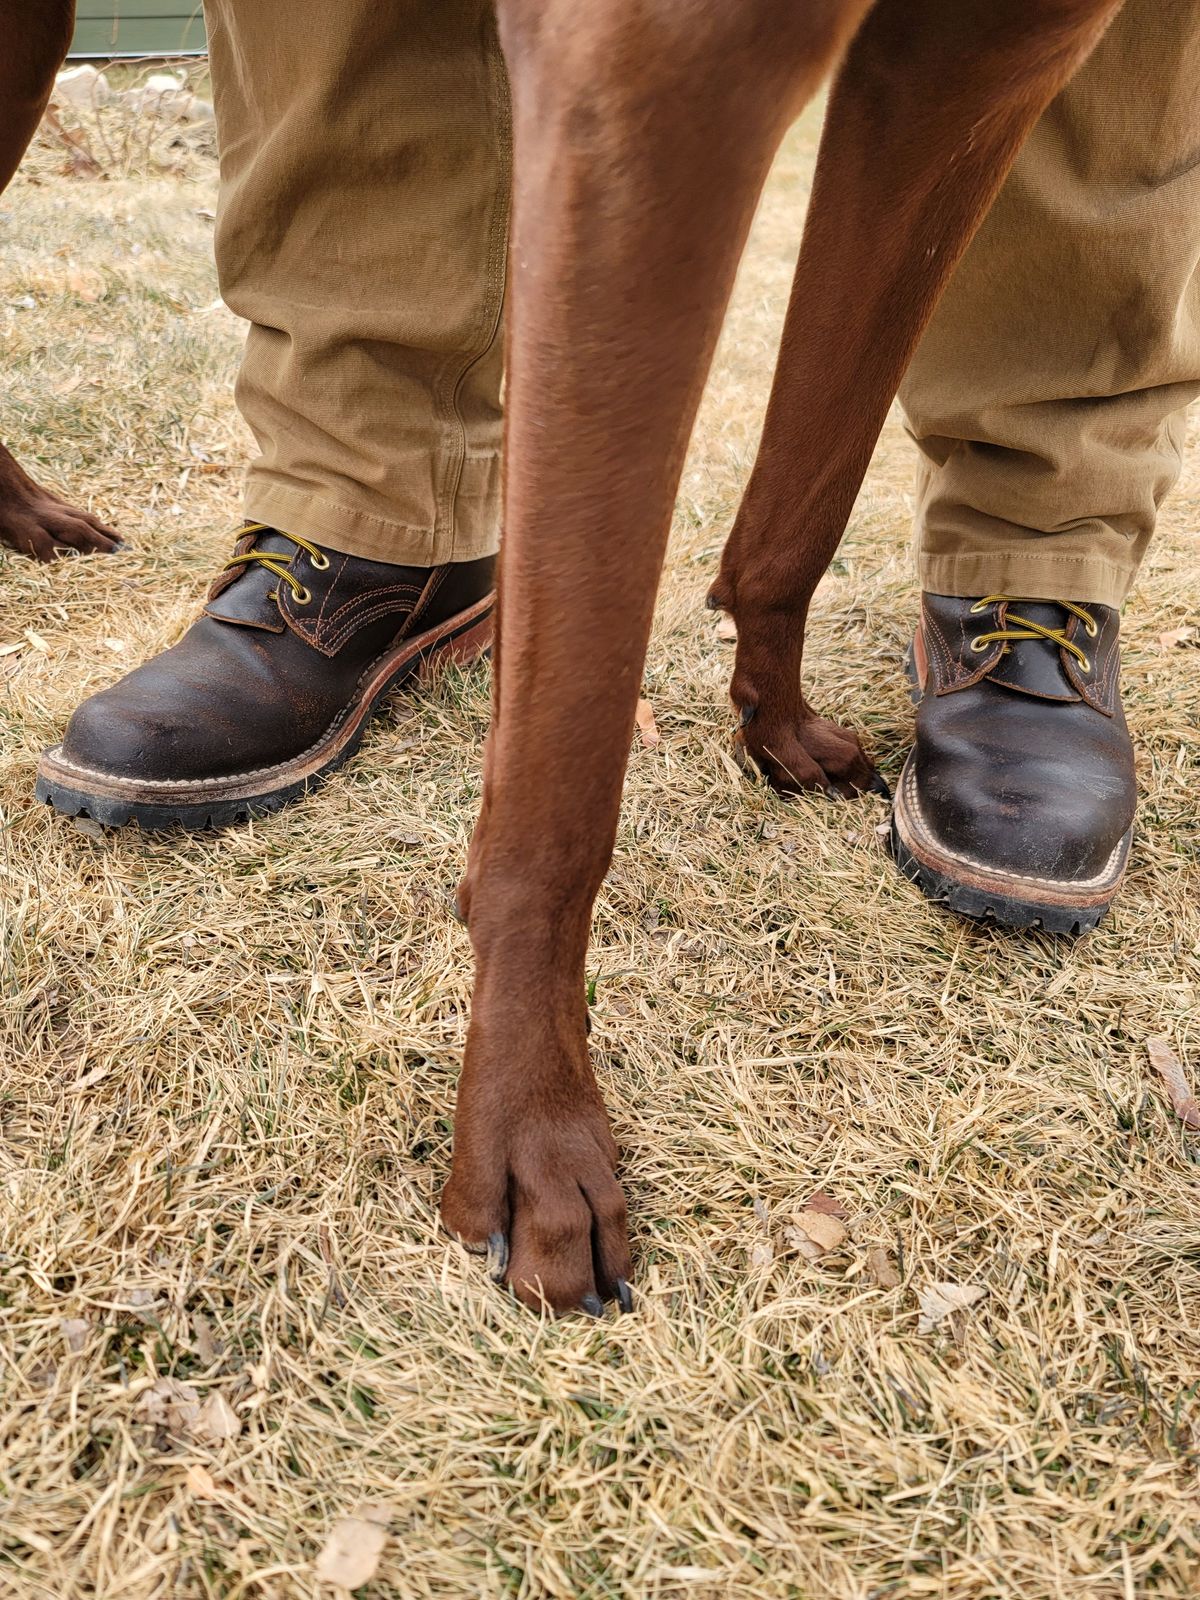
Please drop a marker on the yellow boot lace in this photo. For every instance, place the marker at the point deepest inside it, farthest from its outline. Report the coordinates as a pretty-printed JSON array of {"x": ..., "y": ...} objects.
[
  {"x": 1027, "y": 628},
  {"x": 276, "y": 563}
]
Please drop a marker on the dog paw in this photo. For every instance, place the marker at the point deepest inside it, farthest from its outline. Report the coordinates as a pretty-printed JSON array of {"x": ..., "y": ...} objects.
[
  {"x": 533, "y": 1187},
  {"x": 36, "y": 522},
  {"x": 806, "y": 752}
]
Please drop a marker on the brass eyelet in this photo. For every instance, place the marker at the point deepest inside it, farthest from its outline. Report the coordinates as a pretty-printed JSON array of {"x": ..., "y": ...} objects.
[
  {"x": 319, "y": 560},
  {"x": 1086, "y": 664},
  {"x": 979, "y": 645},
  {"x": 1092, "y": 629},
  {"x": 980, "y": 605},
  {"x": 302, "y": 596}
]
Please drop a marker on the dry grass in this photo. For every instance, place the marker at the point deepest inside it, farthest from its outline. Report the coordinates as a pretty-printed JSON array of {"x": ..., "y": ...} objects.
[{"x": 230, "y": 1064}]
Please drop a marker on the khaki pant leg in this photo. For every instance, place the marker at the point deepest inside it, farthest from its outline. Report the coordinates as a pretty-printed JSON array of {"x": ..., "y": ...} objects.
[
  {"x": 362, "y": 228},
  {"x": 1047, "y": 398}
]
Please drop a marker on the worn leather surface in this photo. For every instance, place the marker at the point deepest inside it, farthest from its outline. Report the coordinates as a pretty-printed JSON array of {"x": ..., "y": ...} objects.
[
  {"x": 1023, "y": 760},
  {"x": 259, "y": 678}
]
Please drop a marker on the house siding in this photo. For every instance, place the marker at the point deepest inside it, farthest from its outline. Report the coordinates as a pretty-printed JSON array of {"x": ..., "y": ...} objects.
[{"x": 107, "y": 28}]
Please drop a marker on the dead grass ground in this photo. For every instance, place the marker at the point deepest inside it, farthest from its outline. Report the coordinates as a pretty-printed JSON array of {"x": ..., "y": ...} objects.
[{"x": 230, "y": 1063}]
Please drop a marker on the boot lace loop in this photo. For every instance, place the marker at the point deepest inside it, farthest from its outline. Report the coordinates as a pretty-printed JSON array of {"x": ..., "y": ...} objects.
[
  {"x": 1027, "y": 628},
  {"x": 276, "y": 562}
]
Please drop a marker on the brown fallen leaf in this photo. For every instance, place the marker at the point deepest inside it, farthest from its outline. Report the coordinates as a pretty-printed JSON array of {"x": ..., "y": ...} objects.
[
  {"x": 879, "y": 1265},
  {"x": 727, "y": 628},
  {"x": 941, "y": 1300},
  {"x": 203, "y": 1342},
  {"x": 170, "y": 1405},
  {"x": 217, "y": 1421},
  {"x": 762, "y": 1254},
  {"x": 75, "y": 1333},
  {"x": 199, "y": 1482},
  {"x": 86, "y": 284},
  {"x": 1169, "y": 1068},
  {"x": 352, "y": 1551},
  {"x": 647, "y": 726},
  {"x": 1175, "y": 637},
  {"x": 824, "y": 1202},
  {"x": 813, "y": 1233}
]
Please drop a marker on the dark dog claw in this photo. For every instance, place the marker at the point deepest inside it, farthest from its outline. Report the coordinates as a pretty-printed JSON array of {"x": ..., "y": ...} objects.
[
  {"x": 456, "y": 911},
  {"x": 878, "y": 785},
  {"x": 593, "y": 1305},
  {"x": 497, "y": 1256},
  {"x": 746, "y": 717},
  {"x": 624, "y": 1296},
  {"x": 711, "y": 603}
]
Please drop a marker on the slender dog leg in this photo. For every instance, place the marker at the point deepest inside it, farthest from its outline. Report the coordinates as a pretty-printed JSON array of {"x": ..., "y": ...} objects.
[
  {"x": 34, "y": 38},
  {"x": 643, "y": 134},
  {"x": 931, "y": 106}
]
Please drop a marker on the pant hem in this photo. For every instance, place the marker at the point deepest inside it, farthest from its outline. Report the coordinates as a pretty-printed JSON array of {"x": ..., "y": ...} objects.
[
  {"x": 473, "y": 533},
  {"x": 1044, "y": 577}
]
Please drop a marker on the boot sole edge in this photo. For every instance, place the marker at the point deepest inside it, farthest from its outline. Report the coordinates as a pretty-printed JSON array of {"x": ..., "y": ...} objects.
[
  {"x": 987, "y": 894},
  {"x": 116, "y": 802}
]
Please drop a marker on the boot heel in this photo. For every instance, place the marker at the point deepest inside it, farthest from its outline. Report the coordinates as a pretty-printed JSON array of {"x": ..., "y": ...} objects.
[{"x": 464, "y": 648}]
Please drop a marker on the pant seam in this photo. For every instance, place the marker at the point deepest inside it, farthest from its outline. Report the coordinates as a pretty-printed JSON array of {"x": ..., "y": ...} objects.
[{"x": 492, "y": 304}]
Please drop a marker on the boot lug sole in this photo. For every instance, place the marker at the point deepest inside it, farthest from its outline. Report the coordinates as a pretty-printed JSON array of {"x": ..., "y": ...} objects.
[
  {"x": 115, "y": 802},
  {"x": 986, "y": 893}
]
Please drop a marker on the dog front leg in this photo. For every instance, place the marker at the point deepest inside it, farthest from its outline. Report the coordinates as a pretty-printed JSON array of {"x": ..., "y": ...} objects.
[
  {"x": 930, "y": 108},
  {"x": 34, "y": 38},
  {"x": 642, "y": 138}
]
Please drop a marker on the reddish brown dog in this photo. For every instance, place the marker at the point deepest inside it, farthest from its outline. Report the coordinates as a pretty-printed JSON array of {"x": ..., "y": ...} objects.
[
  {"x": 34, "y": 39},
  {"x": 644, "y": 129}
]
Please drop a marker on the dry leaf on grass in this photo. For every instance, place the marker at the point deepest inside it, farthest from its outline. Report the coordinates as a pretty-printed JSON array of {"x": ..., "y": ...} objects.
[
  {"x": 1167, "y": 1064},
  {"x": 879, "y": 1265},
  {"x": 203, "y": 1342},
  {"x": 827, "y": 1205},
  {"x": 75, "y": 1333},
  {"x": 199, "y": 1482},
  {"x": 176, "y": 1408},
  {"x": 727, "y": 628},
  {"x": 86, "y": 284},
  {"x": 647, "y": 726},
  {"x": 813, "y": 1233},
  {"x": 170, "y": 1405},
  {"x": 1176, "y": 636},
  {"x": 217, "y": 1421},
  {"x": 352, "y": 1551},
  {"x": 941, "y": 1300}
]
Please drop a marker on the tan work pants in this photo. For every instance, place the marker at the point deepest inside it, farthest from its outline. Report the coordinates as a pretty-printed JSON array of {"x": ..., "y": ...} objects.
[
  {"x": 1047, "y": 398},
  {"x": 362, "y": 231},
  {"x": 364, "y": 206}
]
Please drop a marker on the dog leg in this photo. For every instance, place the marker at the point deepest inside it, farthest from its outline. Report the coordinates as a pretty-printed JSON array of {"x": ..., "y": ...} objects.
[
  {"x": 932, "y": 103},
  {"x": 643, "y": 134},
  {"x": 36, "y": 35}
]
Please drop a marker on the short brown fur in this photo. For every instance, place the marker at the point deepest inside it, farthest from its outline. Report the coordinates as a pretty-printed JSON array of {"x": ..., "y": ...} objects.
[{"x": 643, "y": 131}]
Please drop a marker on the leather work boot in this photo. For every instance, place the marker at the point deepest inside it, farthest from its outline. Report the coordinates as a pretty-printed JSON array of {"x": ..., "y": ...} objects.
[
  {"x": 269, "y": 691},
  {"x": 1017, "y": 800}
]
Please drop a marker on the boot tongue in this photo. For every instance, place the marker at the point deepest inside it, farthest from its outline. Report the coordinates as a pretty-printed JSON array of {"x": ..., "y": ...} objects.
[
  {"x": 1035, "y": 666},
  {"x": 244, "y": 594}
]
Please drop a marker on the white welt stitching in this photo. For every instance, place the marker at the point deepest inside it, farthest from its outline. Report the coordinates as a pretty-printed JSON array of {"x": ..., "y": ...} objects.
[{"x": 909, "y": 788}]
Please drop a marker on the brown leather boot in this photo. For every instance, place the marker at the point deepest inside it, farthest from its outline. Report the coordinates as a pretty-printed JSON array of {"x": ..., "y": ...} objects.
[
  {"x": 269, "y": 691},
  {"x": 1017, "y": 801}
]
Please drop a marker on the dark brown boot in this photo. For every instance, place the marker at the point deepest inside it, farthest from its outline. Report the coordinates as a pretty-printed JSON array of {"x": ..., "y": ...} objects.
[
  {"x": 269, "y": 691},
  {"x": 1017, "y": 801}
]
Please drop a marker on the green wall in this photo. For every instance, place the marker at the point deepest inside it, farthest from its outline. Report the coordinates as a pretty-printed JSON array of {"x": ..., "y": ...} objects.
[{"x": 138, "y": 28}]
